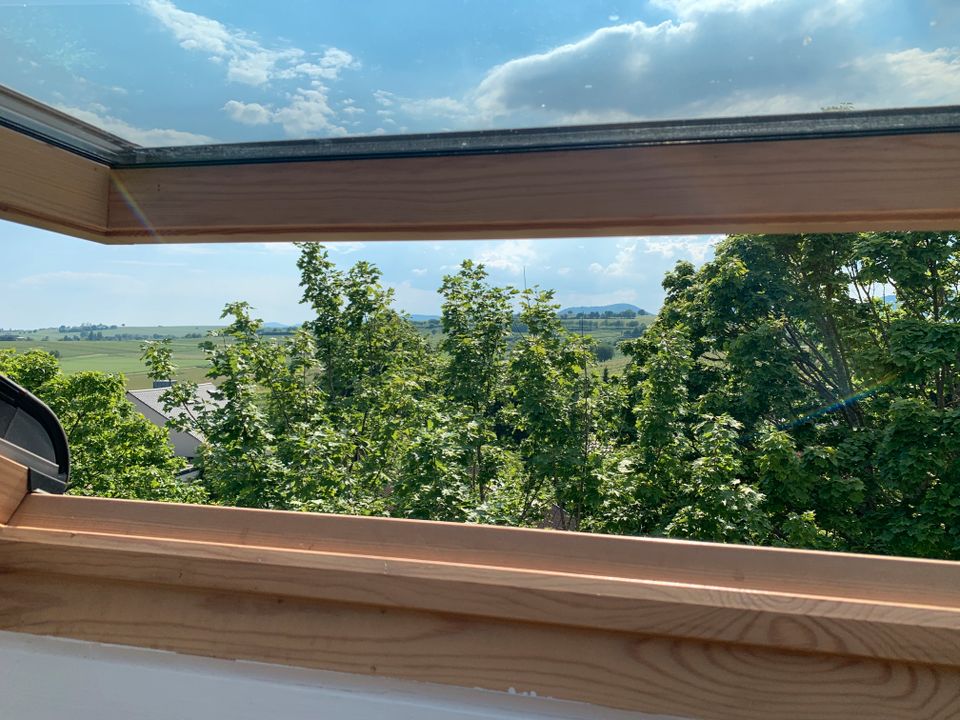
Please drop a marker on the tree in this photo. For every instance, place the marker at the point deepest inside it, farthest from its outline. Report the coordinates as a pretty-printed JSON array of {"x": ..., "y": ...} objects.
[
  {"x": 265, "y": 440},
  {"x": 318, "y": 421},
  {"x": 604, "y": 352},
  {"x": 795, "y": 390},
  {"x": 115, "y": 451},
  {"x": 832, "y": 410},
  {"x": 476, "y": 319},
  {"x": 551, "y": 389}
]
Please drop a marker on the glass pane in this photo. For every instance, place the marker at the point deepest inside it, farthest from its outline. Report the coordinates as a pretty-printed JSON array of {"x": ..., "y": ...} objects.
[
  {"x": 160, "y": 72},
  {"x": 791, "y": 390}
]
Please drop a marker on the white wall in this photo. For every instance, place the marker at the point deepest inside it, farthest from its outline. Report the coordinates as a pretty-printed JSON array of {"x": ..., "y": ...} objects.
[
  {"x": 184, "y": 444},
  {"x": 54, "y": 679}
]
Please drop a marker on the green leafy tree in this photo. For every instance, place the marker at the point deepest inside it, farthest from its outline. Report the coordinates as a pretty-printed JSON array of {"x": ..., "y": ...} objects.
[
  {"x": 476, "y": 319},
  {"x": 115, "y": 451},
  {"x": 817, "y": 373},
  {"x": 795, "y": 390},
  {"x": 553, "y": 412},
  {"x": 267, "y": 441}
]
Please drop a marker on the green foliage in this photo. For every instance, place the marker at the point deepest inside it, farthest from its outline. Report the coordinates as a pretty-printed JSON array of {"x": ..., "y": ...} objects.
[
  {"x": 604, "y": 352},
  {"x": 553, "y": 408},
  {"x": 115, "y": 451},
  {"x": 783, "y": 397},
  {"x": 799, "y": 391}
]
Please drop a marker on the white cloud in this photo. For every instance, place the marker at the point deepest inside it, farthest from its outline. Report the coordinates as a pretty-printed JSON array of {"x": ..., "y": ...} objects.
[
  {"x": 623, "y": 263},
  {"x": 344, "y": 248},
  {"x": 509, "y": 255},
  {"x": 307, "y": 113},
  {"x": 279, "y": 248},
  {"x": 419, "y": 271},
  {"x": 155, "y": 137},
  {"x": 328, "y": 66},
  {"x": 384, "y": 98},
  {"x": 245, "y": 58},
  {"x": 248, "y": 113},
  {"x": 193, "y": 32},
  {"x": 688, "y": 247},
  {"x": 626, "y": 263},
  {"x": 714, "y": 58},
  {"x": 929, "y": 77},
  {"x": 432, "y": 108},
  {"x": 612, "y": 61}
]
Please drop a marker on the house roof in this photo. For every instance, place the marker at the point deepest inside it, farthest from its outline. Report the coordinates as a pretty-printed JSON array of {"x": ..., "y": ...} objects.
[{"x": 151, "y": 398}]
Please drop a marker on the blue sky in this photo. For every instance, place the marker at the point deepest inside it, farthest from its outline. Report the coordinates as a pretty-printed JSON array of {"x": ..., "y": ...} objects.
[
  {"x": 50, "y": 279},
  {"x": 164, "y": 72},
  {"x": 180, "y": 71}
]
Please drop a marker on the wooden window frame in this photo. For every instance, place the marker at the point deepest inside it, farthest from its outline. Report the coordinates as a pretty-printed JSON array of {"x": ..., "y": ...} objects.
[
  {"x": 679, "y": 628},
  {"x": 828, "y": 172}
]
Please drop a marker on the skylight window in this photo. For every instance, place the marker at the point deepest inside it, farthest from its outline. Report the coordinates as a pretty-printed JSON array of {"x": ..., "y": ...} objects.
[{"x": 180, "y": 72}]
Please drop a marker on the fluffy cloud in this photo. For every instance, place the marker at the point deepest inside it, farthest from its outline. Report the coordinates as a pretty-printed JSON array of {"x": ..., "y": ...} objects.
[
  {"x": 306, "y": 110},
  {"x": 696, "y": 248},
  {"x": 686, "y": 247},
  {"x": 928, "y": 78},
  {"x": 344, "y": 248},
  {"x": 509, "y": 255},
  {"x": 623, "y": 263},
  {"x": 152, "y": 137},
  {"x": 687, "y": 8},
  {"x": 328, "y": 67},
  {"x": 711, "y": 58},
  {"x": 592, "y": 74},
  {"x": 441, "y": 107},
  {"x": 307, "y": 113},
  {"x": 248, "y": 113},
  {"x": 246, "y": 60}
]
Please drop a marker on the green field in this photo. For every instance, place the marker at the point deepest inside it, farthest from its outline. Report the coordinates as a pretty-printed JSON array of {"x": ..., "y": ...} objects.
[
  {"x": 123, "y": 356},
  {"x": 172, "y": 331}
]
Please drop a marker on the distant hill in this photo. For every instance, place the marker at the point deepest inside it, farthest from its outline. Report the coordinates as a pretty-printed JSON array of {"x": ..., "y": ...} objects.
[
  {"x": 423, "y": 318},
  {"x": 601, "y": 309},
  {"x": 277, "y": 325}
]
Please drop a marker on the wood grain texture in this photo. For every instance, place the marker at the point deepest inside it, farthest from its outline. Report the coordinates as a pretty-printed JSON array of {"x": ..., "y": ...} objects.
[
  {"x": 779, "y": 620},
  {"x": 903, "y": 182},
  {"x": 146, "y": 684},
  {"x": 687, "y": 629},
  {"x": 51, "y": 188},
  {"x": 635, "y": 672},
  {"x": 13, "y": 487},
  {"x": 868, "y": 183},
  {"x": 803, "y": 572}
]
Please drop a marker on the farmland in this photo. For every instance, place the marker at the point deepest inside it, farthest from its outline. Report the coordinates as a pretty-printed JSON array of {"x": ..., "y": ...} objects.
[
  {"x": 123, "y": 356},
  {"x": 114, "y": 356}
]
